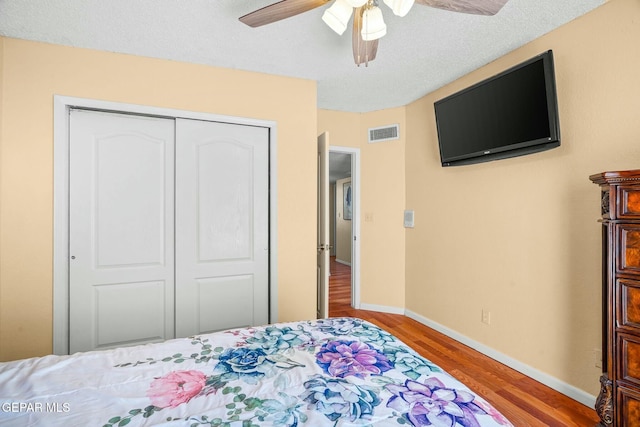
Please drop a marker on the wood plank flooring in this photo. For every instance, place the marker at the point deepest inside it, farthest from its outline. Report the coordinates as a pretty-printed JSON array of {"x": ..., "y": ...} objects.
[{"x": 524, "y": 401}]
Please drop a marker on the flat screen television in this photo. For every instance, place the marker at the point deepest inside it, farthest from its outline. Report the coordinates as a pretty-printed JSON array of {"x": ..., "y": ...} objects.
[{"x": 510, "y": 114}]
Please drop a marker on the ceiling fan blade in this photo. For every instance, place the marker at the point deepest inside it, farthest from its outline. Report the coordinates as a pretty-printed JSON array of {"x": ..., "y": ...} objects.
[
  {"x": 476, "y": 7},
  {"x": 363, "y": 51},
  {"x": 280, "y": 10}
]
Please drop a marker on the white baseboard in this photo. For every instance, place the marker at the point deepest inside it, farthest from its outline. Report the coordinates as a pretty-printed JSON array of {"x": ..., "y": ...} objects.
[
  {"x": 381, "y": 308},
  {"x": 343, "y": 262},
  {"x": 546, "y": 379}
]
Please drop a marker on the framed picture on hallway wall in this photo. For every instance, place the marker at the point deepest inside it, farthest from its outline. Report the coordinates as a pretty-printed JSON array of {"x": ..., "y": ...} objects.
[{"x": 346, "y": 194}]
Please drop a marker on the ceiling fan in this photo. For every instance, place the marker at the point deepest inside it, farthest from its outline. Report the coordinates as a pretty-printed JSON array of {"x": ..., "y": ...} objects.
[{"x": 368, "y": 23}]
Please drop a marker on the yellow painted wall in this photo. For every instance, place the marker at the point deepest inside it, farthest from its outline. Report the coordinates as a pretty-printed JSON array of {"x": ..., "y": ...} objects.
[
  {"x": 32, "y": 73},
  {"x": 382, "y": 200},
  {"x": 519, "y": 237}
]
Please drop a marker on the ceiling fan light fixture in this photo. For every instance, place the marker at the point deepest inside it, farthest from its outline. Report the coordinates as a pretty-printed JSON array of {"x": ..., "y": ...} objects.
[
  {"x": 373, "y": 26},
  {"x": 338, "y": 15},
  {"x": 399, "y": 7}
]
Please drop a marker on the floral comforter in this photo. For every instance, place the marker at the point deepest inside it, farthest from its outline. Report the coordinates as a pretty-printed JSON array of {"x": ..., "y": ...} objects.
[{"x": 330, "y": 372}]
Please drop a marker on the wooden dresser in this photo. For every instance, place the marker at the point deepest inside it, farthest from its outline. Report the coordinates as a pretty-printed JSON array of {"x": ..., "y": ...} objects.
[{"x": 619, "y": 401}]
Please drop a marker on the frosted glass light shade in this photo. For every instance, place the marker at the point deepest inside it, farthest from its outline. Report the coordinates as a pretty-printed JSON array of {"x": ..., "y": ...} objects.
[
  {"x": 399, "y": 7},
  {"x": 356, "y": 3},
  {"x": 337, "y": 16},
  {"x": 373, "y": 26}
]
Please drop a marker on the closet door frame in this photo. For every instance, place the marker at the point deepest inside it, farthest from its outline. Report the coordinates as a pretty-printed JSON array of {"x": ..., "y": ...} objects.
[{"x": 61, "y": 107}]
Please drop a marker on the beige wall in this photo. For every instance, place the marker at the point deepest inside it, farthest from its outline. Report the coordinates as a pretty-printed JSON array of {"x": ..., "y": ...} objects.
[
  {"x": 343, "y": 226},
  {"x": 382, "y": 200},
  {"x": 520, "y": 237},
  {"x": 33, "y": 72}
]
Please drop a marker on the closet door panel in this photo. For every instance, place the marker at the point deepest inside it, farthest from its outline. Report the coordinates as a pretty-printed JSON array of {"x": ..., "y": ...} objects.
[
  {"x": 223, "y": 302},
  {"x": 221, "y": 226},
  {"x": 121, "y": 228}
]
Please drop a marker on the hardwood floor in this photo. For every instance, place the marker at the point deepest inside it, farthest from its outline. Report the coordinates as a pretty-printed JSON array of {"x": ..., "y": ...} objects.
[{"x": 524, "y": 401}]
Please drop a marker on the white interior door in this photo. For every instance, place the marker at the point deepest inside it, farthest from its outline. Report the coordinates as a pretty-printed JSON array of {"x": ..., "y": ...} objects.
[
  {"x": 121, "y": 228},
  {"x": 324, "y": 247},
  {"x": 222, "y": 234}
]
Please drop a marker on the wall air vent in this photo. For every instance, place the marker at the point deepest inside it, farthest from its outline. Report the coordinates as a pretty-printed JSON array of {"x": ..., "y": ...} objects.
[{"x": 384, "y": 133}]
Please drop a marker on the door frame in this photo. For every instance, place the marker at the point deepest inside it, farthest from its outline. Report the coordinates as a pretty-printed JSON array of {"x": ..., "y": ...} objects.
[
  {"x": 61, "y": 107},
  {"x": 355, "y": 220},
  {"x": 323, "y": 239}
]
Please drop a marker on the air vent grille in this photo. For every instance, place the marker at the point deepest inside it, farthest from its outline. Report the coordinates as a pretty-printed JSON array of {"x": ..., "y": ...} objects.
[{"x": 384, "y": 133}]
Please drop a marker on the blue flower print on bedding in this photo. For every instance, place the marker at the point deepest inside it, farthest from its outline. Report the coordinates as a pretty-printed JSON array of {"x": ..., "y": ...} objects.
[
  {"x": 247, "y": 364},
  {"x": 354, "y": 327},
  {"x": 273, "y": 339},
  {"x": 338, "y": 326},
  {"x": 336, "y": 398},
  {"x": 410, "y": 364}
]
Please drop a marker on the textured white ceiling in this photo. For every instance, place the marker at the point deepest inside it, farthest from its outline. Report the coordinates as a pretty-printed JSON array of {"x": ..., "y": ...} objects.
[{"x": 421, "y": 52}]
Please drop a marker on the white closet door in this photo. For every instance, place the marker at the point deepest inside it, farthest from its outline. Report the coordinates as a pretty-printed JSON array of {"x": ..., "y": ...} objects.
[
  {"x": 121, "y": 230},
  {"x": 221, "y": 226}
]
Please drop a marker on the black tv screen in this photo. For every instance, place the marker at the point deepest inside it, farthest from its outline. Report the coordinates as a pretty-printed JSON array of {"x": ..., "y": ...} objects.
[{"x": 511, "y": 114}]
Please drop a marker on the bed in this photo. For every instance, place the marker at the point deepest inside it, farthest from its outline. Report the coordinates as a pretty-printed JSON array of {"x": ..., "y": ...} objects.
[{"x": 329, "y": 372}]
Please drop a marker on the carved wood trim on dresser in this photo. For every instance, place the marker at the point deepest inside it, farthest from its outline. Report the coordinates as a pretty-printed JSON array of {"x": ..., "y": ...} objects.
[{"x": 618, "y": 404}]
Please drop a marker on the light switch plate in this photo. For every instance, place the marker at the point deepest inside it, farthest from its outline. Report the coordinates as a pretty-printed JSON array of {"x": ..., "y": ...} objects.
[{"x": 408, "y": 219}]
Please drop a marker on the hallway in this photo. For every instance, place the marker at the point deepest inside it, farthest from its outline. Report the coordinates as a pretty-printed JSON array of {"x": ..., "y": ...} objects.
[{"x": 340, "y": 290}]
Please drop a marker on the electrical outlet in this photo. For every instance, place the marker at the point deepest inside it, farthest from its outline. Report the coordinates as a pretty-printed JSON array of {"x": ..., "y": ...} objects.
[{"x": 486, "y": 317}]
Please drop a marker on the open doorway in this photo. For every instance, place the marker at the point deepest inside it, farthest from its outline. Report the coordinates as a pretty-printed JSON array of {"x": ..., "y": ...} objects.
[{"x": 344, "y": 228}]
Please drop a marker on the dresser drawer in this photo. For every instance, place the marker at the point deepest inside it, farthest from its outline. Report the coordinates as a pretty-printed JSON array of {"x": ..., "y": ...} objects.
[
  {"x": 629, "y": 358},
  {"x": 628, "y": 304},
  {"x": 628, "y": 412},
  {"x": 628, "y": 202},
  {"x": 628, "y": 248}
]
